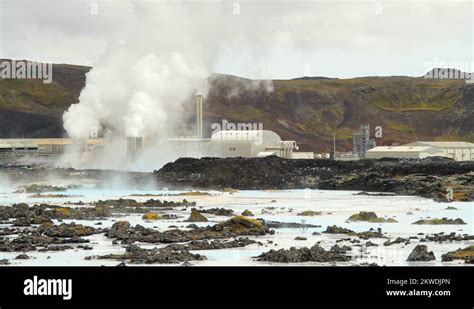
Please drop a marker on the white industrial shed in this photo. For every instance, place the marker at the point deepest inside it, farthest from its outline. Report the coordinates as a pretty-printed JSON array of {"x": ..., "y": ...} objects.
[
  {"x": 413, "y": 152},
  {"x": 249, "y": 143},
  {"x": 459, "y": 151}
]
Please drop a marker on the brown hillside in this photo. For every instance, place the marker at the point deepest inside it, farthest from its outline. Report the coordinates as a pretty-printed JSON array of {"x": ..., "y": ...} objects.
[{"x": 307, "y": 110}]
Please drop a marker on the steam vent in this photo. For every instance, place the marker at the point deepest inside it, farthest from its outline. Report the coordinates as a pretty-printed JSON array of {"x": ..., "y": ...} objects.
[{"x": 134, "y": 146}]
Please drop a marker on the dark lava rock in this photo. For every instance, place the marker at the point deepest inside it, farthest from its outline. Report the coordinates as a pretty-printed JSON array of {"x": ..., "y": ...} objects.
[
  {"x": 4, "y": 262},
  {"x": 218, "y": 212},
  {"x": 290, "y": 225},
  {"x": 66, "y": 230},
  {"x": 362, "y": 235},
  {"x": 151, "y": 203},
  {"x": 457, "y": 221},
  {"x": 421, "y": 253},
  {"x": 375, "y": 193},
  {"x": 300, "y": 238},
  {"x": 343, "y": 239},
  {"x": 37, "y": 188},
  {"x": 56, "y": 248},
  {"x": 86, "y": 247},
  {"x": 119, "y": 230},
  {"x": 466, "y": 254},
  {"x": 398, "y": 240},
  {"x": 370, "y": 234},
  {"x": 22, "y": 256},
  {"x": 30, "y": 240},
  {"x": 334, "y": 229},
  {"x": 247, "y": 213},
  {"x": 298, "y": 255},
  {"x": 8, "y": 231},
  {"x": 236, "y": 226},
  {"x": 342, "y": 249},
  {"x": 196, "y": 216},
  {"x": 442, "y": 237},
  {"x": 192, "y": 226},
  {"x": 370, "y": 216},
  {"x": 166, "y": 255},
  {"x": 20, "y": 244},
  {"x": 309, "y": 213},
  {"x": 27, "y": 221},
  {"x": 365, "y": 264},
  {"x": 43, "y": 213},
  {"x": 215, "y": 244},
  {"x": 424, "y": 177}
]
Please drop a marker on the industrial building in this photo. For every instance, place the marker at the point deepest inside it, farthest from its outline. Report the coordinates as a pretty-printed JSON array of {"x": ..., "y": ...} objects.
[
  {"x": 405, "y": 152},
  {"x": 303, "y": 155},
  {"x": 249, "y": 143},
  {"x": 225, "y": 143},
  {"x": 12, "y": 149},
  {"x": 361, "y": 141},
  {"x": 459, "y": 151}
]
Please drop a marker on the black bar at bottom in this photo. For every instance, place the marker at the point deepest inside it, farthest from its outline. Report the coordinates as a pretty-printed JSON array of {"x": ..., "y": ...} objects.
[{"x": 256, "y": 285}]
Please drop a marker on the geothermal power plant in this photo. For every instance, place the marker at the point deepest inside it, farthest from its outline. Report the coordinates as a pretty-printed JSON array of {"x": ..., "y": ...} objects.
[{"x": 225, "y": 143}]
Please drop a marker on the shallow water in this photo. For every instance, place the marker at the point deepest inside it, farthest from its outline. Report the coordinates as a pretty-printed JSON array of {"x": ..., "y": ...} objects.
[{"x": 336, "y": 207}]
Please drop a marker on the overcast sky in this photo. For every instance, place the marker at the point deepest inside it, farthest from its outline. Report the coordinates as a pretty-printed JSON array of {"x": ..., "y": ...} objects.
[{"x": 267, "y": 39}]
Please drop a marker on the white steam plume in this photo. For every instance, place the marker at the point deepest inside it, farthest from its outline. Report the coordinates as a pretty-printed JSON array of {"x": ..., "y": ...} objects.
[
  {"x": 5, "y": 184},
  {"x": 158, "y": 55},
  {"x": 140, "y": 84}
]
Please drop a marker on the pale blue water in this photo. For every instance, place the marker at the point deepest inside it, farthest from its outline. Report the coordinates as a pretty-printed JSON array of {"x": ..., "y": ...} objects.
[{"x": 336, "y": 207}]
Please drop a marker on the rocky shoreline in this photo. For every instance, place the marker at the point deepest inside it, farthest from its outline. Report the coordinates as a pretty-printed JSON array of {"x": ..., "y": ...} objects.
[
  {"x": 431, "y": 177},
  {"x": 41, "y": 233},
  {"x": 438, "y": 178},
  {"x": 182, "y": 231}
]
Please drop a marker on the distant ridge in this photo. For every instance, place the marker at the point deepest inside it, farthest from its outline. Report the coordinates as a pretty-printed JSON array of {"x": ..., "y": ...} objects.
[
  {"x": 306, "y": 109},
  {"x": 312, "y": 78}
]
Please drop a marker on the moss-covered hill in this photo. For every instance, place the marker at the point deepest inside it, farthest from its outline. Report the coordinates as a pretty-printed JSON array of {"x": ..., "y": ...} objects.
[
  {"x": 307, "y": 110},
  {"x": 30, "y": 108}
]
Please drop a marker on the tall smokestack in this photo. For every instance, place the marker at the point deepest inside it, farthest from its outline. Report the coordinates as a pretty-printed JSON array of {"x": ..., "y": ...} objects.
[
  {"x": 134, "y": 146},
  {"x": 199, "y": 116}
]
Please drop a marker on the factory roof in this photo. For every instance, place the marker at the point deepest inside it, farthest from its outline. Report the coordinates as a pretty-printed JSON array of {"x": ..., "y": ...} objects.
[
  {"x": 443, "y": 144},
  {"x": 404, "y": 148},
  {"x": 266, "y": 154},
  {"x": 49, "y": 141},
  {"x": 245, "y": 135},
  {"x": 17, "y": 144}
]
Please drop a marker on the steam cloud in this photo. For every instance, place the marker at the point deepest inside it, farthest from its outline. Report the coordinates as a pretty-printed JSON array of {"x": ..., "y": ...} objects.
[
  {"x": 165, "y": 53},
  {"x": 158, "y": 54},
  {"x": 5, "y": 184}
]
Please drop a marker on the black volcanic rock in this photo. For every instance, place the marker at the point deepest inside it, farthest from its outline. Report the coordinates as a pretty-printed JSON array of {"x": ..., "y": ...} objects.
[
  {"x": 423, "y": 177},
  {"x": 421, "y": 253},
  {"x": 298, "y": 255}
]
